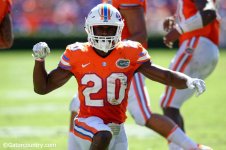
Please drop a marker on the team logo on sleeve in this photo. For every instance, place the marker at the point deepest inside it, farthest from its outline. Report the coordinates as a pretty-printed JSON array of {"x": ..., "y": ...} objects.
[
  {"x": 189, "y": 50},
  {"x": 123, "y": 63}
]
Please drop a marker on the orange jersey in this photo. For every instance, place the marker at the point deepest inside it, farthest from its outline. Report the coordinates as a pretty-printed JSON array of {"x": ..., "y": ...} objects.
[
  {"x": 117, "y": 3},
  {"x": 5, "y": 7},
  {"x": 186, "y": 9},
  {"x": 103, "y": 83}
]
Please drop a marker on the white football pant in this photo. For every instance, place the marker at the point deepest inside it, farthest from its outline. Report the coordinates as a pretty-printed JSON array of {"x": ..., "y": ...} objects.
[
  {"x": 197, "y": 58},
  {"x": 86, "y": 128}
]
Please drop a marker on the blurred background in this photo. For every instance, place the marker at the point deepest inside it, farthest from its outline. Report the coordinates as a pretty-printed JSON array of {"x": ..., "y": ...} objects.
[{"x": 65, "y": 19}]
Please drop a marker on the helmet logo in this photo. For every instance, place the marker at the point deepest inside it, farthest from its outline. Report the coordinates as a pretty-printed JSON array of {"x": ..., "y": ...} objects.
[
  {"x": 118, "y": 16},
  {"x": 105, "y": 13}
]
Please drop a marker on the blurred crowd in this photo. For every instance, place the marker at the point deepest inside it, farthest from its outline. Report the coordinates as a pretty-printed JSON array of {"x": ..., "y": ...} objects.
[
  {"x": 55, "y": 17},
  {"x": 67, "y": 17}
]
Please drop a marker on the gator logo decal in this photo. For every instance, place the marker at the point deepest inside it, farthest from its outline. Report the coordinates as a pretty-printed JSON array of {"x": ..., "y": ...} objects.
[
  {"x": 122, "y": 63},
  {"x": 189, "y": 50}
]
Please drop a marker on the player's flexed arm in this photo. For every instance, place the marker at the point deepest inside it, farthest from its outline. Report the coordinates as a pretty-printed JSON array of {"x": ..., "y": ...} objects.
[
  {"x": 172, "y": 78},
  {"x": 46, "y": 82},
  {"x": 206, "y": 14},
  {"x": 134, "y": 15}
]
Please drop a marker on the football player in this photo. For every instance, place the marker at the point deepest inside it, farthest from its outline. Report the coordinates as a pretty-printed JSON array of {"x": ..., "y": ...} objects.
[
  {"x": 196, "y": 25},
  {"x": 6, "y": 34},
  {"x": 134, "y": 29},
  {"x": 104, "y": 67},
  {"x": 133, "y": 13}
]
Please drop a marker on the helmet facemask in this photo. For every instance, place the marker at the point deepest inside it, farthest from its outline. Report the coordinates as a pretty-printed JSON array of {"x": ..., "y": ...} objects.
[{"x": 104, "y": 43}]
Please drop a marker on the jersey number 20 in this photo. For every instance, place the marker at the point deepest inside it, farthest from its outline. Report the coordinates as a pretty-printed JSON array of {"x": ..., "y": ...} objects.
[{"x": 115, "y": 93}]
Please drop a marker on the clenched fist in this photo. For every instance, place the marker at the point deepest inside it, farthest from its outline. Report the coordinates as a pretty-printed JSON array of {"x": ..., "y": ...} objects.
[{"x": 40, "y": 50}]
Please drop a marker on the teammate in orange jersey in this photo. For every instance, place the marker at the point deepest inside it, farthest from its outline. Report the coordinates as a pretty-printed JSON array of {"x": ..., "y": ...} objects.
[
  {"x": 6, "y": 34},
  {"x": 104, "y": 67},
  {"x": 197, "y": 27}
]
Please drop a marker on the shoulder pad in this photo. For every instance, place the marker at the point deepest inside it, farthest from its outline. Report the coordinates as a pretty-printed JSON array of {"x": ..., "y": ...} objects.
[
  {"x": 75, "y": 46},
  {"x": 132, "y": 44}
]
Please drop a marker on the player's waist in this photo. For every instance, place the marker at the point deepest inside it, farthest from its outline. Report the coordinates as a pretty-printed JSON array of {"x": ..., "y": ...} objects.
[
  {"x": 210, "y": 31},
  {"x": 94, "y": 124},
  {"x": 214, "y": 41},
  {"x": 106, "y": 118},
  {"x": 115, "y": 128}
]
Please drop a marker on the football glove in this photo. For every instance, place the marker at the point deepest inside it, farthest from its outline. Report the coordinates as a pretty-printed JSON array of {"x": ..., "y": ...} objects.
[
  {"x": 40, "y": 50},
  {"x": 197, "y": 84}
]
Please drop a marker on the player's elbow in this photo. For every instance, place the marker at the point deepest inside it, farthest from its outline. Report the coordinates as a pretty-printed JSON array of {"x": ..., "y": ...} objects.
[
  {"x": 40, "y": 92},
  {"x": 6, "y": 43},
  {"x": 9, "y": 44},
  {"x": 143, "y": 37},
  {"x": 209, "y": 16}
]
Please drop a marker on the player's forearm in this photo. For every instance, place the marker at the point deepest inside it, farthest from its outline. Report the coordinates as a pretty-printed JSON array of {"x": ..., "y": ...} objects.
[
  {"x": 135, "y": 20},
  {"x": 171, "y": 78},
  {"x": 163, "y": 75},
  {"x": 177, "y": 79},
  {"x": 40, "y": 78}
]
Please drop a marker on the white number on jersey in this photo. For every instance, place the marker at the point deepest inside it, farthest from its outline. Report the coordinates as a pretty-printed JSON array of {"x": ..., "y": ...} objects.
[{"x": 115, "y": 92}]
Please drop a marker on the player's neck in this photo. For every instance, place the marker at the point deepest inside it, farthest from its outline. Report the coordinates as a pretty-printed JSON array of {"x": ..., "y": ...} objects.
[{"x": 101, "y": 53}]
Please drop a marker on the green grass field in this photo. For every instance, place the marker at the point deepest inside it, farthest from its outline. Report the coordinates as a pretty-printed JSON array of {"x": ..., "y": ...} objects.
[{"x": 29, "y": 118}]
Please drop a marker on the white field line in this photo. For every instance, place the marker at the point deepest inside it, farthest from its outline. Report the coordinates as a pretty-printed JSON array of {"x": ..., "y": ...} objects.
[
  {"x": 137, "y": 131},
  {"x": 24, "y": 94},
  {"x": 33, "y": 109},
  {"x": 132, "y": 130},
  {"x": 29, "y": 131}
]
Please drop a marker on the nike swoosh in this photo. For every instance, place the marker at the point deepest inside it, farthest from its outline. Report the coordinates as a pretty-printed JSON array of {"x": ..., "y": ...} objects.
[{"x": 85, "y": 65}]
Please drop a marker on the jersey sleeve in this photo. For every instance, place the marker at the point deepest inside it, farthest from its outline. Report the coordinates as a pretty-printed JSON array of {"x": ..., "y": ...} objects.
[
  {"x": 136, "y": 52},
  {"x": 139, "y": 53},
  {"x": 143, "y": 56},
  {"x": 71, "y": 55},
  {"x": 65, "y": 60}
]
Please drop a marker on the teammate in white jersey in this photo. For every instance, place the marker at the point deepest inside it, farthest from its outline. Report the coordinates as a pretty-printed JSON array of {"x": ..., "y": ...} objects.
[{"x": 197, "y": 27}]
